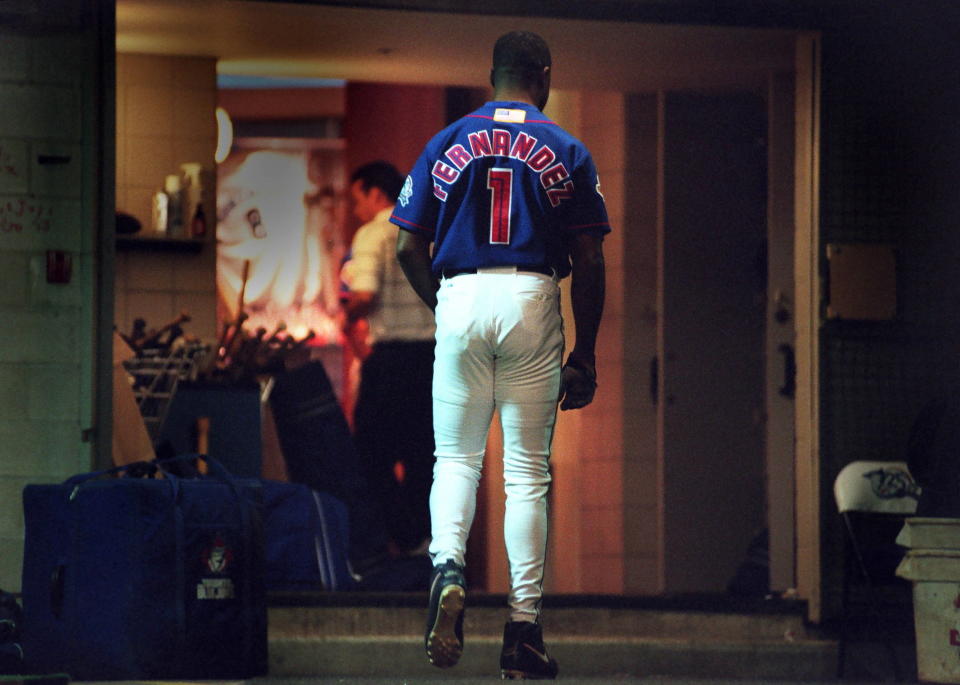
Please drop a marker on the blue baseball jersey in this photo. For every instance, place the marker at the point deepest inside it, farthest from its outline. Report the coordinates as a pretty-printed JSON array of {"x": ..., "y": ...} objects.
[{"x": 502, "y": 186}]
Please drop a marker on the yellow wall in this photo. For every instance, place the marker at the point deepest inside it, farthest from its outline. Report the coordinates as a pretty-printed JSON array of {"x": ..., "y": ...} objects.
[
  {"x": 165, "y": 117},
  {"x": 589, "y": 506}
]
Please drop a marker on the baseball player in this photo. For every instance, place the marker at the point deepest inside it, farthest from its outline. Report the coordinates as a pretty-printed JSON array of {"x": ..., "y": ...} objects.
[{"x": 511, "y": 204}]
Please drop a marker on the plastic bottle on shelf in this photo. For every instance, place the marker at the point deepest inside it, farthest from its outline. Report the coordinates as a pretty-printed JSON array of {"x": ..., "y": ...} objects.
[
  {"x": 192, "y": 187},
  {"x": 174, "y": 191},
  {"x": 160, "y": 212},
  {"x": 198, "y": 225}
]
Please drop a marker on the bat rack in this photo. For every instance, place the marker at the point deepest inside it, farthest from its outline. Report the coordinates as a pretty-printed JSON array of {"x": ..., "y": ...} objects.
[{"x": 156, "y": 373}]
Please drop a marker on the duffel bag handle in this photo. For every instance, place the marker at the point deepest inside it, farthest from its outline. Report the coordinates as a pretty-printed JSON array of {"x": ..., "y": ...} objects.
[
  {"x": 81, "y": 478},
  {"x": 215, "y": 469},
  {"x": 141, "y": 468},
  {"x": 150, "y": 466}
]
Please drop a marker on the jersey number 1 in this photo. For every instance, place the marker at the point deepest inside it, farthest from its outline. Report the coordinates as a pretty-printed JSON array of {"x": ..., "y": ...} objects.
[{"x": 500, "y": 185}]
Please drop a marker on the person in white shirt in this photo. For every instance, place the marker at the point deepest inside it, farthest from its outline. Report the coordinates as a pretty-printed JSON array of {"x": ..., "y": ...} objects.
[{"x": 393, "y": 417}]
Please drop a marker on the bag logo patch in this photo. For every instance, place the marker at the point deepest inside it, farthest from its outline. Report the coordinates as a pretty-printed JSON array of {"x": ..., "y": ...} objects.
[{"x": 216, "y": 559}]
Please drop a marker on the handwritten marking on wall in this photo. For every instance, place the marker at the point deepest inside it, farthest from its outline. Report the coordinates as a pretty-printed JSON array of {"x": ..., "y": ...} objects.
[
  {"x": 14, "y": 164},
  {"x": 7, "y": 163},
  {"x": 19, "y": 215}
]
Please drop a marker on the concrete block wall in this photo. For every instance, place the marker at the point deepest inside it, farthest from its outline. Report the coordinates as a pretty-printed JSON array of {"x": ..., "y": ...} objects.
[
  {"x": 165, "y": 118},
  {"x": 46, "y": 203}
]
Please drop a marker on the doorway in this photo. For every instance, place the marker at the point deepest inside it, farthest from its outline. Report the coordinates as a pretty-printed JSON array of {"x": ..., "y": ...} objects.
[{"x": 722, "y": 55}]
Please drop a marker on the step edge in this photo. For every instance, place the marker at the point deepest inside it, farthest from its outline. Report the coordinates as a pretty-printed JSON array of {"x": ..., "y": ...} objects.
[{"x": 572, "y": 640}]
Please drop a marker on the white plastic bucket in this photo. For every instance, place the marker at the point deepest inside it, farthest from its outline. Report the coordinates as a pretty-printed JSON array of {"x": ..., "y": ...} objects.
[
  {"x": 921, "y": 532},
  {"x": 935, "y": 574}
]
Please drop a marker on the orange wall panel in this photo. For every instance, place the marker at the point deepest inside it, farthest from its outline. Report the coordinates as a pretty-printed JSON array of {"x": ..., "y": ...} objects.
[{"x": 390, "y": 122}]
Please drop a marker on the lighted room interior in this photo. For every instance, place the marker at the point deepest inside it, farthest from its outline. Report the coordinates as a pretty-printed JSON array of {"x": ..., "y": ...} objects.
[{"x": 382, "y": 82}]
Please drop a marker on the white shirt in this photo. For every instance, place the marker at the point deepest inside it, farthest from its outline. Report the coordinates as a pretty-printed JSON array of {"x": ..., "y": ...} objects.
[{"x": 398, "y": 313}]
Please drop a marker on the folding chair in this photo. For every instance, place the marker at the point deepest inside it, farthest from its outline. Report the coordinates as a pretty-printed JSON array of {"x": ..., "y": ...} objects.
[{"x": 873, "y": 498}]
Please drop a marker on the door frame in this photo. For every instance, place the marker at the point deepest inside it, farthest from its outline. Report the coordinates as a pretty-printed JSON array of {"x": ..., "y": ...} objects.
[
  {"x": 780, "y": 337},
  {"x": 808, "y": 294},
  {"x": 103, "y": 156}
]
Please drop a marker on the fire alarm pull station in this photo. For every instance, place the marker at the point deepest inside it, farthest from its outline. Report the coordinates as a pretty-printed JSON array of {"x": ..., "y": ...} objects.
[{"x": 58, "y": 266}]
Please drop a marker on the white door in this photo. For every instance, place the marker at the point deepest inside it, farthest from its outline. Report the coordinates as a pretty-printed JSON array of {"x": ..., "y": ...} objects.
[{"x": 712, "y": 329}]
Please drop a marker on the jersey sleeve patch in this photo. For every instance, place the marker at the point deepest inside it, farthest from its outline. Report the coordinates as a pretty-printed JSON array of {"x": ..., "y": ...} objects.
[{"x": 406, "y": 192}]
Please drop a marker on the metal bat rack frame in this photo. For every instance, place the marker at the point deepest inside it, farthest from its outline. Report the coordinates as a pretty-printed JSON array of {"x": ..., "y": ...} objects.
[{"x": 155, "y": 374}]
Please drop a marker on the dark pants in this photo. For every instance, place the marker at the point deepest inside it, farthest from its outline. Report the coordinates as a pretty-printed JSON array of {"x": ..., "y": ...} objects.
[{"x": 393, "y": 422}]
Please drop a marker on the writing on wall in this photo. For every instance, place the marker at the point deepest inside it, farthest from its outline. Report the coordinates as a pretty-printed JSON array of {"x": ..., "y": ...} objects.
[
  {"x": 14, "y": 176},
  {"x": 9, "y": 163},
  {"x": 19, "y": 215}
]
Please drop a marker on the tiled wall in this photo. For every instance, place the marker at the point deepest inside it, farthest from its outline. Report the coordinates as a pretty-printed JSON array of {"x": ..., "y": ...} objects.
[
  {"x": 586, "y": 549},
  {"x": 47, "y": 202},
  {"x": 604, "y": 458},
  {"x": 165, "y": 118},
  {"x": 599, "y": 442}
]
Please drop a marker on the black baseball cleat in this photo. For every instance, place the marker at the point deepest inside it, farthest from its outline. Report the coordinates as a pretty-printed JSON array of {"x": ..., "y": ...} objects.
[
  {"x": 523, "y": 656},
  {"x": 444, "y": 637}
]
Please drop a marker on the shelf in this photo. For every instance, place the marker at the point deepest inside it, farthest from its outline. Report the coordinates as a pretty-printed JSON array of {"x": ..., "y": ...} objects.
[{"x": 151, "y": 243}]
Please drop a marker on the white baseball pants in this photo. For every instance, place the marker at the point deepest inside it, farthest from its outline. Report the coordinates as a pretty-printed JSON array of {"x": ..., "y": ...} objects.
[{"x": 499, "y": 345}]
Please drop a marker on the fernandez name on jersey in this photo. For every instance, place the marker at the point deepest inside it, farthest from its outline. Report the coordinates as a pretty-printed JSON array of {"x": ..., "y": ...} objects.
[{"x": 512, "y": 183}]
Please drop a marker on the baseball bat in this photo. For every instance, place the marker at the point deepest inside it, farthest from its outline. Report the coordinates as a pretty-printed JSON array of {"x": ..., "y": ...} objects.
[
  {"x": 235, "y": 333},
  {"x": 154, "y": 336}
]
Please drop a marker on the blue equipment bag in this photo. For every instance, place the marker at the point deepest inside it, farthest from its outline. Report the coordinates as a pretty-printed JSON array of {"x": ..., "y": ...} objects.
[
  {"x": 306, "y": 534},
  {"x": 143, "y": 578},
  {"x": 11, "y": 619}
]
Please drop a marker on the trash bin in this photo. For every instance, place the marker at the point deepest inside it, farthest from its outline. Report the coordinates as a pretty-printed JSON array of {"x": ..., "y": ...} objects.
[{"x": 932, "y": 563}]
